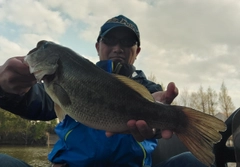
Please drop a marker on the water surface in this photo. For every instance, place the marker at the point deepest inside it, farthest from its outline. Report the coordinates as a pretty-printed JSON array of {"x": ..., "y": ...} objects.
[{"x": 34, "y": 156}]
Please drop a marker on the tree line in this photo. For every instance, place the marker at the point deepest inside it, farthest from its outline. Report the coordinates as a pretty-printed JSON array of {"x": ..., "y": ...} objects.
[
  {"x": 20, "y": 131},
  {"x": 208, "y": 101}
]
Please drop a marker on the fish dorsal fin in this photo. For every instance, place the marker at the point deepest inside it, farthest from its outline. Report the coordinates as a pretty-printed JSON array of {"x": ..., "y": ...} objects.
[{"x": 142, "y": 90}]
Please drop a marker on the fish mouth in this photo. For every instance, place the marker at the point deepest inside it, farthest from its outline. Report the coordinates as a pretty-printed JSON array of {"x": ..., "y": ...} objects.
[
  {"x": 25, "y": 61},
  {"x": 32, "y": 68},
  {"x": 42, "y": 64},
  {"x": 40, "y": 74}
]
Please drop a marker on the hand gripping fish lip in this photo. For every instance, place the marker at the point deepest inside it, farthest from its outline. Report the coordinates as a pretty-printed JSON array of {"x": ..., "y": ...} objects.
[{"x": 35, "y": 66}]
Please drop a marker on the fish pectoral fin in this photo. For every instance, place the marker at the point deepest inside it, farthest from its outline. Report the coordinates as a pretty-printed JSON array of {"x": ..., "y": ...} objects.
[
  {"x": 59, "y": 112},
  {"x": 62, "y": 95},
  {"x": 142, "y": 90}
]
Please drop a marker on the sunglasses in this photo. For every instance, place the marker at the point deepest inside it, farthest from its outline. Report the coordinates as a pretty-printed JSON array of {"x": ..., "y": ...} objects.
[{"x": 125, "y": 42}]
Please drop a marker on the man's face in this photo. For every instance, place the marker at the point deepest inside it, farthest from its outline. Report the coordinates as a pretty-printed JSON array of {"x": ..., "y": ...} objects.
[{"x": 120, "y": 44}]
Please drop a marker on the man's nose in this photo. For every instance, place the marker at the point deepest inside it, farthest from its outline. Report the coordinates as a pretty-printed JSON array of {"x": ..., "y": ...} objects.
[{"x": 117, "y": 48}]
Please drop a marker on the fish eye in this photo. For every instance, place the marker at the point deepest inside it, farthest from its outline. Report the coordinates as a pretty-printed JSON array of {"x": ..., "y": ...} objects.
[
  {"x": 42, "y": 44},
  {"x": 45, "y": 45}
]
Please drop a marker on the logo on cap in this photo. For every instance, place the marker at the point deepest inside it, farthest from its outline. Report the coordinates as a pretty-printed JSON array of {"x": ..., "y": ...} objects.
[
  {"x": 118, "y": 22},
  {"x": 123, "y": 20}
]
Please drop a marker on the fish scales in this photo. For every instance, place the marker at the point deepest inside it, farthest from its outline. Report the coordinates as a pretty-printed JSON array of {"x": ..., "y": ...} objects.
[
  {"x": 107, "y": 101},
  {"x": 92, "y": 103}
]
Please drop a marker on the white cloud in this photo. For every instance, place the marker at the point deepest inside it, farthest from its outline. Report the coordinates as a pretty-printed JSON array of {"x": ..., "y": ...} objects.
[
  {"x": 31, "y": 40},
  {"x": 32, "y": 16},
  {"x": 10, "y": 49},
  {"x": 191, "y": 42}
]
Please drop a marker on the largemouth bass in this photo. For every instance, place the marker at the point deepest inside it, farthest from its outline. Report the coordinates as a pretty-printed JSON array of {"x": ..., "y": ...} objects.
[{"x": 108, "y": 101}]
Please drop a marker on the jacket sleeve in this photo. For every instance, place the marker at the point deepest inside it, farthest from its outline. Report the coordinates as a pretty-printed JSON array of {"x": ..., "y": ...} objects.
[
  {"x": 35, "y": 105},
  {"x": 151, "y": 86}
]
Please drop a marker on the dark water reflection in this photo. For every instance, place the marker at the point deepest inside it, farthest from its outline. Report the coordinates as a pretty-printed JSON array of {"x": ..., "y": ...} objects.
[{"x": 34, "y": 156}]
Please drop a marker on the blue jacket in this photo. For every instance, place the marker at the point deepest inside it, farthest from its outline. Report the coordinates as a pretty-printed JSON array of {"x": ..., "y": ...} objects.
[{"x": 79, "y": 145}]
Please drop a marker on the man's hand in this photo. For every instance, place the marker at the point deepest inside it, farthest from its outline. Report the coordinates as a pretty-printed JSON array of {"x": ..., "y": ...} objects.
[
  {"x": 15, "y": 77},
  {"x": 139, "y": 129},
  {"x": 167, "y": 96}
]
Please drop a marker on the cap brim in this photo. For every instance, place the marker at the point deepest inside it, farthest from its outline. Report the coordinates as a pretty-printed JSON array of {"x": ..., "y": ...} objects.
[{"x": 107, "y": 31}]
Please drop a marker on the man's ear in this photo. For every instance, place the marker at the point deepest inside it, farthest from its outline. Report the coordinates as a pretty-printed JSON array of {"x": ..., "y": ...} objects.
[
  {"x": 97, "y": 47},
  {"x": 138, "y": 50}
]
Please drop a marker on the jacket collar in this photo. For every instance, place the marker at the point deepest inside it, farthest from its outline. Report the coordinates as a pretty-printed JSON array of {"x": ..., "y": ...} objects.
[{"x": 116, "y": 67}]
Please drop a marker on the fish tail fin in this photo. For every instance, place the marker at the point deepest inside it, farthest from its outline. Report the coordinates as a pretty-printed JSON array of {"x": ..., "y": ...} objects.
[{"x": 200, "y": 134}]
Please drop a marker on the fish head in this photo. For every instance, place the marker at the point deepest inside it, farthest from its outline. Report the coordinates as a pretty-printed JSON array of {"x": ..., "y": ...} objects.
[{"x": 43, "y": 60}]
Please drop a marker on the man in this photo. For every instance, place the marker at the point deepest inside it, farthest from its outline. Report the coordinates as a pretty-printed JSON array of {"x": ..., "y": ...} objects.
[{"x": 118, "y": 45}]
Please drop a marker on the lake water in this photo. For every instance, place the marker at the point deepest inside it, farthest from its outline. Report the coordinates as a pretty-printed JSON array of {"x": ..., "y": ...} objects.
[
  {"x": 34, "y": 156},
  {"x": 37, "y": 156}
]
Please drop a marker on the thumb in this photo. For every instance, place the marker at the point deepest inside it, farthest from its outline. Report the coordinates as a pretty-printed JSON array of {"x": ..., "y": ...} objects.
[{"x": 171, "y": 92}]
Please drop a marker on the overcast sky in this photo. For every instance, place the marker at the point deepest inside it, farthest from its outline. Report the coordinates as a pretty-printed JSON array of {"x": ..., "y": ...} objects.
[{"x": 191, "y": 42}]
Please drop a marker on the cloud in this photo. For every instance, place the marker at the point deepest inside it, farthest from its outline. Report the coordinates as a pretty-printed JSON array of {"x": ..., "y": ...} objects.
[
  {"x": 32, "y": 16},
  {"x": 8, "y": 47},
  {"x": 190, "y": 42},
  {"x": 31, "y": 40}
]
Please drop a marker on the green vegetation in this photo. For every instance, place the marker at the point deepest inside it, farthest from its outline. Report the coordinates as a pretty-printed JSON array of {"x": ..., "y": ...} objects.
[{"x": 19, "y": 131}]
